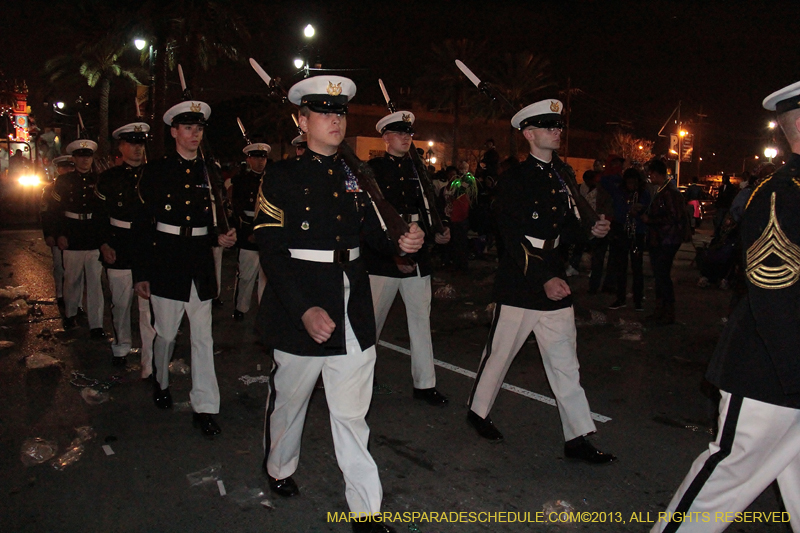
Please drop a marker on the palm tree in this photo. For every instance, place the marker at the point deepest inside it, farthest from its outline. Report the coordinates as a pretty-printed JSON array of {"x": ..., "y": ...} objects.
[
  {"x": 195, "y": 34},
  {"x": 97, "y": 63},
  {"x": 444, "y": 88},
  {"x": 520, "y": 77}
]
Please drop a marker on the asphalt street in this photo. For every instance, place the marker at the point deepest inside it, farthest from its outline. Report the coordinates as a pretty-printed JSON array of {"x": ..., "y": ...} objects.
[{"x": 645, "y": 384}]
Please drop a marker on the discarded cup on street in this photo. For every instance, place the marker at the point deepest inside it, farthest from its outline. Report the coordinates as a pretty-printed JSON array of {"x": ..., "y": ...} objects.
[
  {"x": 37, "y": 450},
  {"x": 69, "y": 457},
  {"x": 179, "y": 368},
  {"x": 206, "y": 475}
]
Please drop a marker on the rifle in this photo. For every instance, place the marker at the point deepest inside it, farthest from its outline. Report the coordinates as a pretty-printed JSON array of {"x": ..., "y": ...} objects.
[
  {"x": 428, "y": 191},
  {"x": 244, "y": 132},
  {"x": 391, "y": 221},
  {"x": 211, "y": 171},
  {"x": 587, "y": 214}
]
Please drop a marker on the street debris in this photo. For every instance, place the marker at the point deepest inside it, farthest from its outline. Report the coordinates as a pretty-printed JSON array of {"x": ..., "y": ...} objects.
[
  {"x": 249, "y": 380},
  {"x": 94, "y": 397},
  {"x": 249, "y": 497},
  {"x": 446, "y": 292},
  {"x": 5, "y": 345},
  {"x": 630, "y": 330},
  {"x": 39, "y": 360},
  {"x": 14, "y": 293},
  {"x": 179, "y": 368},
  {"x": 76, "y": 448},
  {"x": 37, "y": 450},
  {"x": 558, "y": 512},
  {"x": 596, "y": 319},
  {"x": 204, "y": 476}
]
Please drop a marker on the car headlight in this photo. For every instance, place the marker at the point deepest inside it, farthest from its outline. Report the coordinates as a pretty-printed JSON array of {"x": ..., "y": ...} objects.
[{"x": 29, "y": 180}]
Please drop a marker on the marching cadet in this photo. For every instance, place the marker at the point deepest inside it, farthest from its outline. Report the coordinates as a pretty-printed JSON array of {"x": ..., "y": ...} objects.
[
  {"x": 300, "y": 144},
  {"x": 80, "y": 229},
  {"x": 49, "y": 215},
  {"x": 410, "y": 275},
  {"x": 535, "y": 213},
  {"x": 117, "y": 188},
  {"x": 174, "y": 266},
  {"x": 244, "y": 191},
  {"x": 755, "y": 363},
  {"x": 316, "y": 314}
]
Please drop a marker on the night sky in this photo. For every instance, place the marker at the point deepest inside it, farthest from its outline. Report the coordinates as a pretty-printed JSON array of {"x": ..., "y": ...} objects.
[{"x": 633, "y": 61}]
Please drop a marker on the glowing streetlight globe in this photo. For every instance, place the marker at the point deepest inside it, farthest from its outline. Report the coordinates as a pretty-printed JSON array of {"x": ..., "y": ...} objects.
[
  {"x": 60, "y": 105},
  {"x": 139, "y": 44},
  {"x": 772, "y": 124},
  {"x": 298, "y": 63},
  {"x": 770, "y": 152},
  {"x": 309, "y": 31}
]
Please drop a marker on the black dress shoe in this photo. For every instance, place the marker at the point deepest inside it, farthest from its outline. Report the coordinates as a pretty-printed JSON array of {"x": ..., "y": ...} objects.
[
  {"x": 70, "y": 322},
  {"x": 484, "y": 427},
  {"x": 580, "y": 449},
  {"x": 81, "y": 312},
  {"x": 238, "y": 316},
  {"x": 371, "y": 527},
  {"x": 206, "y": 423},
  {"x": 97, "y": 333},
  {"x": 60, "y": 302},
  {"x": 217, "y": 302},
  {"x": 285, "y": 487},
  {"x": 162, "y": 398},
  {"x": 432, "y": 396},
  {"x": 119, "y": 361}
]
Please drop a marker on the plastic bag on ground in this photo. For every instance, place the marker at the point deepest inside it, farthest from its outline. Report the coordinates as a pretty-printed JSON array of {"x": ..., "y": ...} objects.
[
  {"x": 179, "y": 368},
  {"x": 94, "y": 397},
  {"x": 14, "y": 293},
  {"x": 447, "y": 292},
  {"x": 206, "y": 475},
  {"x": 37, "y": 450},
  {"x": 40, "y": 360},
  {"x": 247, "y": 497},
  {"x": 558, "y": 511},
  {"x": 85, "y": 434}
]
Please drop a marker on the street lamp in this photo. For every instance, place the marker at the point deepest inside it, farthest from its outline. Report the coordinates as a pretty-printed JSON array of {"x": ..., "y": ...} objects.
[
  {"x": 770, "y": 153},
  {"x": 308, "y": 31},
  {"x": 772, "y": 124},
  {"x": 298, "y": 63},
  {"x": 139, "y": 43}
]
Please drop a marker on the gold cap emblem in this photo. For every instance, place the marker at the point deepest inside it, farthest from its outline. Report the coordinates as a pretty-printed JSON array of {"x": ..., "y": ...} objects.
[
  {"x": 84, "y": 144},
  {"x": 406, "y": 117},
  {"x": 334, "y": 90},
  {"x": 137, "y": 128},
  {"x": 195, "y": 107},
  {"x": 554, "y": 107}
]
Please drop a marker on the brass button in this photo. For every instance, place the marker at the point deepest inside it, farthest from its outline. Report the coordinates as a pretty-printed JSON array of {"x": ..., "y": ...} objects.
[
  {"x": 188, "y": 202},
  {"x": 188, "y": 171},
  {"x": 188, "y": 218},
  {"x": 338, "y": 217},
  {"x": 330, "y": 171},
  {"x": 119, "y": 204},
  {"x": 306, "y": 190},
  {"x": 187, "y": 185},
  {"x": 338, "y": 238},
  {"x": 401, "y": 179},
  {"x": 169, "y": 195},
  {"x": 554, "y": 208},
  {"x": 553, "y": 191},
  {"x": 336, "y": 195},
  {"x": 555, "y": 225},
  {"x": 308, "y": 208}
]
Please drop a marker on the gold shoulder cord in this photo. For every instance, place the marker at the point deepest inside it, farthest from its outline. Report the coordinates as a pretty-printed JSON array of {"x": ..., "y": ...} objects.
[
  {"x": 97, "y": 190},
  {"x": 270, "y": 210},
  {"x": 773, "y": 241}
]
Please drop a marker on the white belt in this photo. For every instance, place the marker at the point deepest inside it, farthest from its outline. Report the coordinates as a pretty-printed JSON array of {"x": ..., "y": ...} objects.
[
  {"x": 184, "y": 231},
  {"x": 119, "y": 223},
  {"x": 326, "y": 256},
  {"x": 542, "y": 244},
  {"x": 78, "y": 216},
  {"x": 250, "y": 214}
]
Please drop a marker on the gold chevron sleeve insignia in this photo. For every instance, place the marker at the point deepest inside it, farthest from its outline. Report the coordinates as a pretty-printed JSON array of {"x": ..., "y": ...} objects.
[
  {"x": 56, "y": 196},
  {"x": 270, "y": 210},
  {"x": 99, "y": 194},
  {"x": 773, "y": 243}
]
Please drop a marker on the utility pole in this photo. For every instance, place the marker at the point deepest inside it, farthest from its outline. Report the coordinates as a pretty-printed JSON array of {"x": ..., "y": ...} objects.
[
  {"x": 680, "y": 148},
  {"x": 567, "y": 113}
]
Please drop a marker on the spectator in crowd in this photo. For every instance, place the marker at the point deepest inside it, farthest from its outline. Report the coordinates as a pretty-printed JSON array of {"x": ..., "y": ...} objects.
[{"x": 725, "y": 195}]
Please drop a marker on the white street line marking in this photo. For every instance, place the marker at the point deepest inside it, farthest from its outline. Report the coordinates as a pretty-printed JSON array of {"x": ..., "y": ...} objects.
[{"x": 513, "y": 388}]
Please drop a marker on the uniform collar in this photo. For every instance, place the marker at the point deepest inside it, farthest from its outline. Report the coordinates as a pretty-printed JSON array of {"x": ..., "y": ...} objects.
[{"x": 319, "y": 158}]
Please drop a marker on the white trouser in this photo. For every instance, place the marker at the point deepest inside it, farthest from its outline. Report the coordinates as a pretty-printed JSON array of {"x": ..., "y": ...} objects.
[
  {"x": 249, "y": 267},
  {"x": 416, "y": 294},
  {"x": 75, "y": 263},
  {"x": 218, "y": 267},
  {"x": 348, "y": 390},
  {"x": 120, "y": 282},
  {"x": 556, "y": 337},
  {"x": 757, "y": 443},
  {"x": 58, "y": 271},
  {"x": 168, "y": 314}
]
